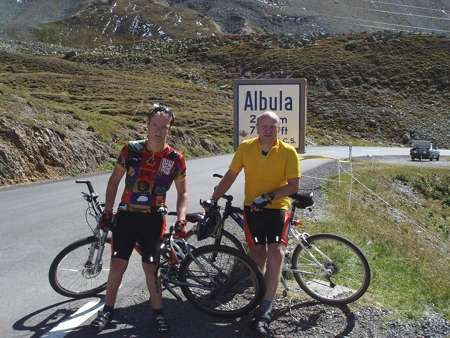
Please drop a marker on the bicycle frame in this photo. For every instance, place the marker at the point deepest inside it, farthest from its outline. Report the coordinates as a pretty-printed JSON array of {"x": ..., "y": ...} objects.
[
  {"x": 168, "y": 245},
  {"x": 236, "y": 214},
  {"x": 93, "y": 204},
  {"x": 170, "y": 280},
  {"x": 326, "y": 267},
  {"x": 230, "y": 211}
]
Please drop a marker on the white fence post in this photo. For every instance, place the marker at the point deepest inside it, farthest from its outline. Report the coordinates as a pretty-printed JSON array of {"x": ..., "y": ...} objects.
[{"x": 351, "y": 177}]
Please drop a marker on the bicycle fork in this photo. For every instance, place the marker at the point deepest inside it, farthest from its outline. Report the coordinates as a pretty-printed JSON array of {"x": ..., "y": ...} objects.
[{"x": 94, "y": 264}]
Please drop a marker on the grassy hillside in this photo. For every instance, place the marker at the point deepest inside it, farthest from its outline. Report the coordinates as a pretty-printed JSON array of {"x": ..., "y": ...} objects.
[
  {"x": 406, "y": 240},
  {"x": 382, "y": 88},
  {"x": 375, "y": 88},
  {"x": 114, "y": 102}
]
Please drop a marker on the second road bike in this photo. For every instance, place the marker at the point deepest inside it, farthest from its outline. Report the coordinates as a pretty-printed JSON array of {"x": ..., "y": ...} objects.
[{"x": 328, "y": 267}]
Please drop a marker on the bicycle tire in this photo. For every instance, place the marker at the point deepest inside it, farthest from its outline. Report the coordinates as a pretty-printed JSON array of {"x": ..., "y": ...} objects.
[
  {"x": 238, "y": 283},
  {"x": 350, "y": 271},
  {"x": 230, "y": 240},
  {"x": 77, "y": 271}
]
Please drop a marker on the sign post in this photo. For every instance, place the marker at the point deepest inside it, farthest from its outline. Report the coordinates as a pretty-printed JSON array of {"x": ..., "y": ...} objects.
[{"x": 285, "y": 97}]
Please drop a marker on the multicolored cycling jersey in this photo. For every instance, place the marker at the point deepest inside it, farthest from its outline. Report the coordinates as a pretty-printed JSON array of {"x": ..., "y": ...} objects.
[{"x": 149, "y": 175}]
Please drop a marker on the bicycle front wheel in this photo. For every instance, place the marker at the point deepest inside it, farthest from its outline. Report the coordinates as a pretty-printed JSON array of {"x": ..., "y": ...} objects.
[
  {"x": 331, "y": 269},
  {"x": 74, "y": 273},
  {"x": 221, "y": 281}
]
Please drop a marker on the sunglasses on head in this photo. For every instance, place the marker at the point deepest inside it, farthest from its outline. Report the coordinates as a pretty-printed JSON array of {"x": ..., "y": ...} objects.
[{"x": 159, "y": 108}]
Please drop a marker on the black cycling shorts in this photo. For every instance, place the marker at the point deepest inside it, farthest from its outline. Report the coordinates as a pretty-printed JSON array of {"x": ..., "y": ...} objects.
[
  {"x": 144, "y": 229},
  {"x": 265, "y": 226}
]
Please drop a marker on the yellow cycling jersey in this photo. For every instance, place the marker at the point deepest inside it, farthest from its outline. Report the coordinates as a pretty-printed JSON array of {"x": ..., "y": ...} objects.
[{"x": 266, "y": 173}]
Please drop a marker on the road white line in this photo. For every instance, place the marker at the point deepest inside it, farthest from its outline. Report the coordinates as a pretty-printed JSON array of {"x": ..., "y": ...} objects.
[
  {"x": 380, "y": 23},
  {"x": 76, "y": 319},
  {"x": 400, "y": 13},
  {"x": 401, "y": 5}
]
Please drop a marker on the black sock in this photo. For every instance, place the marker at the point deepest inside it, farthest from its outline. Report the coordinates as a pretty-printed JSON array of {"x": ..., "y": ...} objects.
[
  {"x": 108, "y": 308},
  {"x": 265, "y": 308},
  {"x": 158, "y": 312}
]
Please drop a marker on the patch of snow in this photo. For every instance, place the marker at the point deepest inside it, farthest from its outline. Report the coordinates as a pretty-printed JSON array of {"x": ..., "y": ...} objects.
[
  {"x": 106, "y": 26},
  {"x": 113, "y": 6},
  {"x": 118, "y": 23},
  {"x": 134, "y": 28}
]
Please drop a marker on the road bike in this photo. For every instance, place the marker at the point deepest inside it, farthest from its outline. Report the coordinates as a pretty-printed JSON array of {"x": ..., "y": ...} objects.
[
  {"x": 328, "y": 267},
  {"x": 217, "y": 279}
]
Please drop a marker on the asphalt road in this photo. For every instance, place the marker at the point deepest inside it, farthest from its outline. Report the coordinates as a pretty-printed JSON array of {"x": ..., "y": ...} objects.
[{"x": 39, "y": 220}]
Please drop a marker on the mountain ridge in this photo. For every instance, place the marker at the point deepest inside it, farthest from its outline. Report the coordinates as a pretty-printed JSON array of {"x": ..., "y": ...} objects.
[{"x": 107, "y": 21}]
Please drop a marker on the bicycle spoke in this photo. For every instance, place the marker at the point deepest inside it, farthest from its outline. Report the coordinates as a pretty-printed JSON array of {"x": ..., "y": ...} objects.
[
  {"x": 331, "y": 269},
  {"x": 231, "y": 285},
  {"x": 74, "y": 277}
]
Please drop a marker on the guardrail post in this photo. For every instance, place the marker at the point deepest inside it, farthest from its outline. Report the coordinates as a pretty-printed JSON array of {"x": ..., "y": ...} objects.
[
  {"x": 339, "y": 171},
  {"x": 351, "y": 177}
]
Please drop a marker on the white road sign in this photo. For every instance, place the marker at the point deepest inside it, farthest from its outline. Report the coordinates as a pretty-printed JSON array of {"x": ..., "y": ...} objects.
[{"x": 285, "y": 97}]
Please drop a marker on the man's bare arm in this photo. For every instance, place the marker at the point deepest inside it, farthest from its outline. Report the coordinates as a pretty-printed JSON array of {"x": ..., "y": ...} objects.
[
  {"x": 113, "y": 185},
  {"x": 181, "y": 187},
  {"x": 288, "y": 189},
  {"x": 224, "y": 184}
]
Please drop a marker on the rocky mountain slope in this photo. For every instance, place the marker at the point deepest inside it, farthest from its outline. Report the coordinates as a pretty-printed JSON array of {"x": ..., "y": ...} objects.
[
  {"x": 67, "y": 111},
  {"x": 36, "y": 150},
  {"x": 94, "y": 22}
]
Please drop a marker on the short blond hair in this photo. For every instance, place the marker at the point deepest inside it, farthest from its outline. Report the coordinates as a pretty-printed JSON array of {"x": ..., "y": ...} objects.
[{"x": 269, "y": 114}]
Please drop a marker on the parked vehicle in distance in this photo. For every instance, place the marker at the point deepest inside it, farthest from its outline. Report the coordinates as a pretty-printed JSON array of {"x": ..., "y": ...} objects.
[{"x": 423, "y": 149}]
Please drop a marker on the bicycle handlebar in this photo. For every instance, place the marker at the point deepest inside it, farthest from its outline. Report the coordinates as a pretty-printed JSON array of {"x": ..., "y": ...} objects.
[
  {"x": 89, "y": 185},
  {"x": 229, "y": 198},
  {"x": 303, "y": 200}
]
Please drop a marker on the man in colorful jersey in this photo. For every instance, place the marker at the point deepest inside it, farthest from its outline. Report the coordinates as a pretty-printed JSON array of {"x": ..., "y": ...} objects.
[
  {"x": 150, "y": 166},
  {"x": 272, "y": 173}
]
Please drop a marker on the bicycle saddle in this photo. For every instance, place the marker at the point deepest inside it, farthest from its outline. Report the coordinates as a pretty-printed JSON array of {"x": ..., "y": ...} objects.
[
  {"x": 195, "y": 217},
  {"x": 302, "y": 200}
]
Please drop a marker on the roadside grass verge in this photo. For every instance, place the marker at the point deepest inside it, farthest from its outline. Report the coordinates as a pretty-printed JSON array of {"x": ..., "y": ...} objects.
[{"x": 406, "y": 239}]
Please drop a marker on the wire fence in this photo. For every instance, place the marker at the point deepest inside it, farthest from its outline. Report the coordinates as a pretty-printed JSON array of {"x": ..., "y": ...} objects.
[{"x": 420, "y": 227}]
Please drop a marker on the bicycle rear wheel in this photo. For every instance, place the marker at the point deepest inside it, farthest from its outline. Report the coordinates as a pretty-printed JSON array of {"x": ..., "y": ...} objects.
[
  {"x": 231, "y": 240},
  {"x": 221, "y": 281},
  {"x": 71, "y": 273},
  {"x": 331, "y": 269},
  {"x": 228, "y": 239}
]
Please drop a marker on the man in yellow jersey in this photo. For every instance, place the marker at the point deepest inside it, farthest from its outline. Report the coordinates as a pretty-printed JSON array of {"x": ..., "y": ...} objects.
[{"x": 272, "y": 173}]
